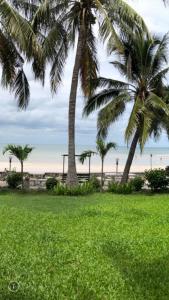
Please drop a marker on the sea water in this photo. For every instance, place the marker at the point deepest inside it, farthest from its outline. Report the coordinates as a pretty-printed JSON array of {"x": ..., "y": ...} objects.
[{"x": 48, "y": 158}]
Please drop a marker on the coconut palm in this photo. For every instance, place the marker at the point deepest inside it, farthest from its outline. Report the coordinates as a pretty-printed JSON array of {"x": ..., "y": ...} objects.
[
  {"x": 102, "y": 150},
  {"x": 78, "y": 19},
  {"x": 20, "y": 152},
  {"x": 143, "y": 66},
  {"x": 16, "y": 37}
]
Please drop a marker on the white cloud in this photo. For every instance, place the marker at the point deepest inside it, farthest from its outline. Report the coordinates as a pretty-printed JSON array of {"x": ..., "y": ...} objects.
[{"x": 45, "y": 121}]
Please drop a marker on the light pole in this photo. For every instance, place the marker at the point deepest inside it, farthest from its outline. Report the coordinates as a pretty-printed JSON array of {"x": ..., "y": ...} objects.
[
  {"x": 10, "y": 163},
  {"x": 117, "y": 165},
  {"x": 151, "y": 161}
]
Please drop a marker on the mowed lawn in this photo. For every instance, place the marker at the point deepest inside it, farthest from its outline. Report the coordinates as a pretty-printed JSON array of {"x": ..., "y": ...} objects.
[{"x": 101, "y": 246}]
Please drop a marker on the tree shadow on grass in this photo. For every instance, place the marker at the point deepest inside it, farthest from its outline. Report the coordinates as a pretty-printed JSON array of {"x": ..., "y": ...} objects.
[{"x": 148, "y": 279}]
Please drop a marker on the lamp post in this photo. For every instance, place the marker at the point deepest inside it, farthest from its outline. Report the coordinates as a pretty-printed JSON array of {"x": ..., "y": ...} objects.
[
  {"x": 117, "y": 165},
  {"x": 10, "y": 163}
]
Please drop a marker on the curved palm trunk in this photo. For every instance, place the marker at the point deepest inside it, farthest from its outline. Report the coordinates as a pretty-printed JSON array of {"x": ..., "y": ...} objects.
[
  {"x": 22, "y": 174},
  {"x": 72, "y": 178},
  {"x": 130, "y": 157}
]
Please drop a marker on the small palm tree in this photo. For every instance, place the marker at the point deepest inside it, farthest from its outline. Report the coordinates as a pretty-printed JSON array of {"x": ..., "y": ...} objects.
[
  {"x": 102, "y": 150},
  {"x": 21, "y": 153}
]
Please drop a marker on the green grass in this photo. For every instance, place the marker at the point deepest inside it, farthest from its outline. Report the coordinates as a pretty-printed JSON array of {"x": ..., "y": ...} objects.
[{"x": 85, "y": 248}]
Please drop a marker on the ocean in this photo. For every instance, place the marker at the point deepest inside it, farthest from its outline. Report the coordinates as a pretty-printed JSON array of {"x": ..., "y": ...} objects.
[{"x": 48, "y": 158}]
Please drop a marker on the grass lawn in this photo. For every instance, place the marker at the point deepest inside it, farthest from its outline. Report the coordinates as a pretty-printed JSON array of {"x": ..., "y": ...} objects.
[{"x": 95, "y": 247}]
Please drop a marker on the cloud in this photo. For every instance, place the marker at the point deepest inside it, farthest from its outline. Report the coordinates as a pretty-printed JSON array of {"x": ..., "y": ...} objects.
[{"x": 46, "y": 118}]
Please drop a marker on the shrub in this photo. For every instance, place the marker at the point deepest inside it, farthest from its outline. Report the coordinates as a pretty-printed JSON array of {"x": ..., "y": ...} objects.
[
  {"x": 95, "y": 183},
  {"x": 14, "y": 179},
  {"x": 79, "y": 190},
  {"x": 51, "y": 183},
  {"x": 120, "y": 188},
  {"x": 157, "y": 179},
  {"x": 137, "y": 183}
]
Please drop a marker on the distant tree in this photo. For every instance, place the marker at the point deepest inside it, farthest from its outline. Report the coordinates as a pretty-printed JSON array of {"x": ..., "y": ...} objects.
[
  {"x": 102, "y": 150},
  {"x": 21, "y": 153}
]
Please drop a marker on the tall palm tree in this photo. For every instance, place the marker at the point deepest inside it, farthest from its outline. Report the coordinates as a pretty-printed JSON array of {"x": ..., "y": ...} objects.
[
  {"x": 21, "y": 153},
  {"x": 78, "y": 18},
  {"x": 16, "y": 37},
  {"x": 102, "y": 150},
  {"x": 143, "y": 66}
]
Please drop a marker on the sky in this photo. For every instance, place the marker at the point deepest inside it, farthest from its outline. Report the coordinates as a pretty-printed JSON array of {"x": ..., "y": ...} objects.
[{"x": 45, "y": 120}]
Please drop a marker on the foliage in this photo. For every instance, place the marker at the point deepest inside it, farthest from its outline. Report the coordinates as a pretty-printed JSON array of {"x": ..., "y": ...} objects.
[
  {"x": 51, "y": 183},
  {"x": 79, "y": 190},
  {"x": 57, "y": 25},
  {"x": 71, "y": 240},
  {"x": 17, "y": 43},
  {"x": 20, "y": 152},
  {"x": 137, "y": 183},
  {"x": 86, "y": 154},
  {"x": 143, "y": 86},
  {"x": 103, "y": 148},
  {"x": 14, "y": 179},
  {"x": 157, "y": 179},
  {"x": 95, "y": 183},
  {"x": 120, "y": 188}
]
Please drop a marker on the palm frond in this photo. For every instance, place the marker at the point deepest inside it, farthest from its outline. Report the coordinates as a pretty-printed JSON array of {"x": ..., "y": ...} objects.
[
  {"x": 111, "y": 113},
  {"x": 21, "y": 88}
]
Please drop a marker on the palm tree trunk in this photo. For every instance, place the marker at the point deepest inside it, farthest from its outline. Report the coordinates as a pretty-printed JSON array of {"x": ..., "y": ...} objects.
[
  {"x": 102, "y": 172},
  {"x": 72, "y": 178},
  {"x": 22, "y": 174},
  {"x": 130, "y": 157}
]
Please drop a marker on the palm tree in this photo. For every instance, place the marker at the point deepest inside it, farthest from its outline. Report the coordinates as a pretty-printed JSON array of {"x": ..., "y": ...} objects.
[
  {"x": 21, "y": 153},
  {"x": 16, "y": 37},
  {"x": 67, "y": 21},
  {"x": 84, "y": 155},
  {"x": 102, "y": 150},
  {"x": 143, "y": 66}
]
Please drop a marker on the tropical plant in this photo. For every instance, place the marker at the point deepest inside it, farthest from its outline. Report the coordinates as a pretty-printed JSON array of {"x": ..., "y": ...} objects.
[
  {"x": 143, "y": 65},
  {"x": 51, "y": 183},
  {"x": 78, "y": 190},
  {"x": 16, "y": 38},
  {"x": 65, "y": 22},
  {"x": 120, "y": 188},
  {"x": 137, "y": 183},
  {"x": 20, "y": 152},
  {"x": 102, "y": 150},
  {"x": 157, "y": 179},
  {"x": 14, "y": 179}
]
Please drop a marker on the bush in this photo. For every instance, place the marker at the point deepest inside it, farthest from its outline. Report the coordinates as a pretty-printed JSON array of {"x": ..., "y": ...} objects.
[
  {"x": 14, "y": 179},
  {"x": 137, "y": 183},
  {"x": 95, "y": 183},
  {"x": 157, "y": 179},
  {"x": 120, "y": 188},
  {"x": 51, "y": 183},
  {"x": 79, "y": 190}
]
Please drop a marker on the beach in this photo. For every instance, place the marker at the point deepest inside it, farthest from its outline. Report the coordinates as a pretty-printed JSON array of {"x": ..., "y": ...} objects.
[{"x": 48, "y": 158}]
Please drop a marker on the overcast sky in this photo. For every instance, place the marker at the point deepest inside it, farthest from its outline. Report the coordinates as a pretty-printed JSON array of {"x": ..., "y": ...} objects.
[{"x": 45, "y": 121}]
